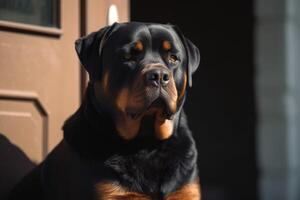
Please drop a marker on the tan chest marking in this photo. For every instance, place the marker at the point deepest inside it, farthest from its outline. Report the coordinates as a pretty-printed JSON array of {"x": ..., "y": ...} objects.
[{"x": 112, "y": 191}]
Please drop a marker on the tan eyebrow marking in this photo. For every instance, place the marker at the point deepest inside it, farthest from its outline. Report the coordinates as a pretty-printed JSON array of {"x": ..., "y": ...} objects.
[
  {"x": 166, "y": 45},
  {"x": 139, "y": 46}
]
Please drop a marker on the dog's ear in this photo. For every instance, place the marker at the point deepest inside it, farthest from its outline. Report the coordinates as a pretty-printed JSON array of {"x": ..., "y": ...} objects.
[
  {"x": 89, "y": 49},
  {"x": 192, "y": 53}
]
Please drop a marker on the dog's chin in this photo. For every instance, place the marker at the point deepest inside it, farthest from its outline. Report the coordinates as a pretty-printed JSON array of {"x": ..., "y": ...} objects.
[
  {"x": 160, "y": 113},
  {"x": 159, "y": 107}
]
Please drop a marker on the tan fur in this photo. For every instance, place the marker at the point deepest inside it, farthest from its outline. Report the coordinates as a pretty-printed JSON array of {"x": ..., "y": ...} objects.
[
  {"x": 166, "y": 45},
  {"x": 111, "y": 191},
  {"x": 182, "y": 92},
  {"x": 126, "y": 127},
  {"x": 139, "y": 46},
  {"x": 190, "y": 191},
  {"x": 171, "y": 89},
  {"x": 122, "y": 99},
  {"x": 163, "y": 129},
  {"x": 105, "y": 82}
]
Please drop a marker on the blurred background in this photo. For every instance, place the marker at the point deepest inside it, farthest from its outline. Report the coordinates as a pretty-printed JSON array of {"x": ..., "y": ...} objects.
[{"x": 243, "y": 107}]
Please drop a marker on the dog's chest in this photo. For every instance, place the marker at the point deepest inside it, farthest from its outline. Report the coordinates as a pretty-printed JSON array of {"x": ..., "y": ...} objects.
[{"x": 147, "y": 176}]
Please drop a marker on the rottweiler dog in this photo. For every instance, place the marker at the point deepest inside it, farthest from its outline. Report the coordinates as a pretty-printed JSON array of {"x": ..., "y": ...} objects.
[{"x": 129, "y": 140}]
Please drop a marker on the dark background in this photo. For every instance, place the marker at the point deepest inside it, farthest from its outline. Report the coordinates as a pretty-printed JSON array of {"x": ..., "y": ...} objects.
[{"x": 220, "y": 105}]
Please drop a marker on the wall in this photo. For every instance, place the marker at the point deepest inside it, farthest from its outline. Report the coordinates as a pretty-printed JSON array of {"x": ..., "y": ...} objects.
[{"x": 278, "y": 97}]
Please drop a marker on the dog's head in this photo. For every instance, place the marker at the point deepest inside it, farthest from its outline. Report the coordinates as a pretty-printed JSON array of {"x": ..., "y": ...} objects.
[{"x": 139, "y": 70}]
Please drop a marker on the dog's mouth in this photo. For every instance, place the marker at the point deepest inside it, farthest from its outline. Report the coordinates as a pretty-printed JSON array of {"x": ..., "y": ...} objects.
[
  {"x": 159, "y": 107},
  {"x": 158, "y": 114}
]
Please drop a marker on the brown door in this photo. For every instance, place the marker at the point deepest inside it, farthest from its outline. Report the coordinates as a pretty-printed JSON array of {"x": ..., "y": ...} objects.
[
  {"x": 41, "y": 81},
  {"x": 39, "y": 74}
]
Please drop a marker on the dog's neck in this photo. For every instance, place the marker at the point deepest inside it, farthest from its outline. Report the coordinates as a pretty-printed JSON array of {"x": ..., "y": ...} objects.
[{"x": 91, "y": 131}]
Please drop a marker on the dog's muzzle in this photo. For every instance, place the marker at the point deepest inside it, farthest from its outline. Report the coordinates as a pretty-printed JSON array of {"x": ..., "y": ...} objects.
[
  {"x": 157, "y": 77},
  {"x": 158, "y": 80}
]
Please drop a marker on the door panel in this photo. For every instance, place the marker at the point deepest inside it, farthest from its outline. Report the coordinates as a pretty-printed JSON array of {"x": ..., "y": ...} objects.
[
  {"x": 26, "y": 115},
  {"x": 39, "y": 83}
]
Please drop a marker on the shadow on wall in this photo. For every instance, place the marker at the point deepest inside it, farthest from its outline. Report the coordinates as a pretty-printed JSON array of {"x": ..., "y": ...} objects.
[{"x": 14, "y": 164}]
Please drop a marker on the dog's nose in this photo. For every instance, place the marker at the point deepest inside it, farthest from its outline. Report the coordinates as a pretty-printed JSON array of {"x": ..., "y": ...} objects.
[{"x": 157, "y": 77}]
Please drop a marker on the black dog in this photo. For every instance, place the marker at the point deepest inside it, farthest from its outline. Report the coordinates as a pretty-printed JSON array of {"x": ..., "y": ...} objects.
[{"x": 129, "y": 139}]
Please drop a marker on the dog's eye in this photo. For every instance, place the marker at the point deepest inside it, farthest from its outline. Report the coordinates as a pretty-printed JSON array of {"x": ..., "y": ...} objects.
[{"x": 173, "y": 59}]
